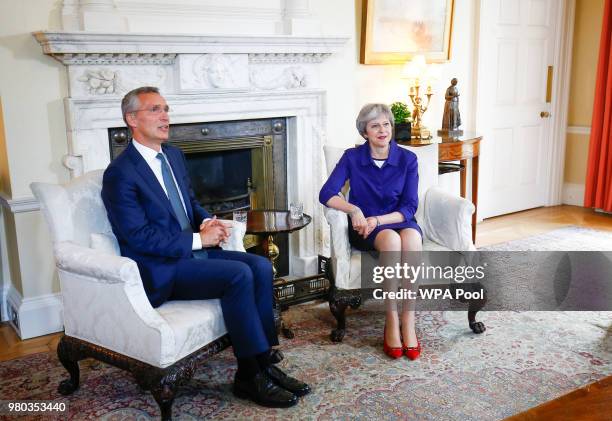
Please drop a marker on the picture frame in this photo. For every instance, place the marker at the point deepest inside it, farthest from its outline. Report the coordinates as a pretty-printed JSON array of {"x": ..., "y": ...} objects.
[{"x": 393, "y": 31}]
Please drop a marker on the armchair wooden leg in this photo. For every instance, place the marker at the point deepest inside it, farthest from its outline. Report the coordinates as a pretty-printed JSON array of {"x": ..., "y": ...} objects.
[
  {"x": 338, "y": 308},
  {"x": 474, "y": 307},
  {"x": 474, "y": 304},
  {"x": 164, "y": 396},
  {"x": 338, "y": 302},
  {"x": 69, "y": 355},
  {"x": 163, "y": 383},
  {"x": 477, "y": 327}
]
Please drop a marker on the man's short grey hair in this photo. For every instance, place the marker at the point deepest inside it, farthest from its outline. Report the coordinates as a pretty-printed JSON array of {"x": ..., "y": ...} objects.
[
  {"x": 371, "y": 111},
  {"x": 130, "y": 101}
]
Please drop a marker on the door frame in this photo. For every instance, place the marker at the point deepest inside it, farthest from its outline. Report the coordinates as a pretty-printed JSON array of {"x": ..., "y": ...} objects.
[
  {"x": 560, "y": 94},
  {"x": 562, "y": 62}
]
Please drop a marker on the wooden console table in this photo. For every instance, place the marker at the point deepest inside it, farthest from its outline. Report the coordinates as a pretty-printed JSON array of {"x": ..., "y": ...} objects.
[{"x": 459, "y": 148}]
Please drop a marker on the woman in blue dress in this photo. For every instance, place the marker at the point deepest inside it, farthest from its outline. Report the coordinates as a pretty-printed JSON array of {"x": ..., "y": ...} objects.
[{"x": 381, "y": 206}]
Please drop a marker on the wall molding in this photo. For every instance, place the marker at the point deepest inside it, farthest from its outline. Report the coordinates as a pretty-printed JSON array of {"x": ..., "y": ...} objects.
[
  {"x": 581, "y": 130},
  {"x": 35, "y": 316},
  {"x": 573, "y": 194},
  {"x": 19, "y": 205},
  {"x": 76, "y": 47}
]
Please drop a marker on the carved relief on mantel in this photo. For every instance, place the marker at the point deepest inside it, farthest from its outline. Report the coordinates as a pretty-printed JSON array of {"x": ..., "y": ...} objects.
[
  {"x": 88, "y": 81},
  {"x": 213, "y": 71},
  {"x": 99, "y": 82},
  {"x": 270, "y": 78}
]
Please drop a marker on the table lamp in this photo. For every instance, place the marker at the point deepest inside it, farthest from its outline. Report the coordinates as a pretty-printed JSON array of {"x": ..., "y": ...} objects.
[{"x": 415, "y": 70}]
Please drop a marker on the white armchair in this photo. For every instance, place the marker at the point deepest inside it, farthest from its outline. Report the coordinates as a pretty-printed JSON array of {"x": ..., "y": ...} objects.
[
  {"x": 107, "y": 315},
  {"x": 445, "y": 220}
]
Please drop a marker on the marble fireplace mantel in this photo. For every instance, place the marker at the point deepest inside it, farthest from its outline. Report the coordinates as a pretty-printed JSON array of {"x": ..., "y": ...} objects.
[
  {"x": 204, "y": 78},
  {"x": 92, "y": 46}
]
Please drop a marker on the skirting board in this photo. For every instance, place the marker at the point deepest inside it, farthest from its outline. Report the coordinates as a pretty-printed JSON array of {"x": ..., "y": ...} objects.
[
  {"x": 573, "y": 194},
  {"x": 4, "y": 303},
  {"x": 35, "y": 316}
]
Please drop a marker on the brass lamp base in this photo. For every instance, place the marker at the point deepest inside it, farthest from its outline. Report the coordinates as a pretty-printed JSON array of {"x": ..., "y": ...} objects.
[{"x": 421, "y": 132}]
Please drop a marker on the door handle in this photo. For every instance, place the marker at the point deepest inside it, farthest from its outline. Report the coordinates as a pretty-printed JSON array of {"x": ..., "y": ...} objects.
[{"x": 544, "y": 114}]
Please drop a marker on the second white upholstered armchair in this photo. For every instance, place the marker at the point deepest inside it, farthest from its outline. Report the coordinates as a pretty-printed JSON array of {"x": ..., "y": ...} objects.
[{"x": 445, "y": 220}]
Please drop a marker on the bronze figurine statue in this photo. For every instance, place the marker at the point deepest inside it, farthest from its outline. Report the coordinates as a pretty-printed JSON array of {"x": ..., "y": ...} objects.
[{"x": 451, "y": 120}]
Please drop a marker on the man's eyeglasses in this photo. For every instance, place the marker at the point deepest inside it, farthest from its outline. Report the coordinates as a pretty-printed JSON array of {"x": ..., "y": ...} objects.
[{"x": 156, "y": 109}]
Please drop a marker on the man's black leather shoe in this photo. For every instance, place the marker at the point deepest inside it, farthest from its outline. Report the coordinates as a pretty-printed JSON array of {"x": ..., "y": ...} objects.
[
  {"x": 276, "y": 356},
  {"x": 294, "y": 386},
  {"x": 263, "y": 391}
]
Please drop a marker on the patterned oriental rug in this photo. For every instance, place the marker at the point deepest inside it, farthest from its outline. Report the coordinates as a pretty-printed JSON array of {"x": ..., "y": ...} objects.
[{"x": 522, "y": 360}]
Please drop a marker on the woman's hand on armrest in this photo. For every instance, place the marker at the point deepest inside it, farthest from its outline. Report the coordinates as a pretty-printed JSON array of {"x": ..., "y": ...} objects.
[{"x": 360, "y": 224}]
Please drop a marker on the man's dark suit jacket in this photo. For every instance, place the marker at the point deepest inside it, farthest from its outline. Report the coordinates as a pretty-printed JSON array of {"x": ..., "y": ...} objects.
[{"x": 143, "y": 220}]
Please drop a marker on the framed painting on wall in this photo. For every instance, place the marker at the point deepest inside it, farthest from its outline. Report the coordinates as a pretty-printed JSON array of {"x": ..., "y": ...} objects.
[{"x": 393, "y": 31}]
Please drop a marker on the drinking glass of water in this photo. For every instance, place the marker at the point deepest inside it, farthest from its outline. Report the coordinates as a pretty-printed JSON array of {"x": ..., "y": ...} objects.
[
  {"x": 296, "y": 210},
  {"x": 240, "y": 216}
]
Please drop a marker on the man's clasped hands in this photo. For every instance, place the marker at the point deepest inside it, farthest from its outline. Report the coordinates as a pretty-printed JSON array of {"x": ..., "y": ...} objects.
[{"x": 214, "y": 231}]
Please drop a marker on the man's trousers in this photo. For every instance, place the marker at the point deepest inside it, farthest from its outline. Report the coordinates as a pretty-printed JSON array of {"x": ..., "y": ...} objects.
[{"x": 243, "y": 282}]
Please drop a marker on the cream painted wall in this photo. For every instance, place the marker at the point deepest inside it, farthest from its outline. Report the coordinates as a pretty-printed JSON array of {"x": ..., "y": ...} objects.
[
  {"x": 382, "y": 83},
  {"x": 32, "y": 87},
  {"x": 338, "y": 72},
  {"x": 585, "y": 53}
]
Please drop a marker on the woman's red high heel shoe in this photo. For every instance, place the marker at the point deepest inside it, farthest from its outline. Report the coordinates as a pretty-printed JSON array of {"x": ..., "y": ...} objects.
[
  {"x": 390, "y": 351},
  {"x": 413, "y": 352}
]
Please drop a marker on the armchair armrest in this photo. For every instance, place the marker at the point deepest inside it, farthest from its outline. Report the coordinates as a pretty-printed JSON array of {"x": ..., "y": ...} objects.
[
  {"x": 105, "y": 302},
  {"x": 340, "y": 247},
  {"x": 103, "y": 267},
  {"x": 448, "y": 220}
]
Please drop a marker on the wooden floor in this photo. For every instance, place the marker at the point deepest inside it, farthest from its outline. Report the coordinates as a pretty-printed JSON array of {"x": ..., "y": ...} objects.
[
  {"x": 593, "y": 402},
  {"x": 12, "y": 347},
  {"x": 537, "y": 221}
]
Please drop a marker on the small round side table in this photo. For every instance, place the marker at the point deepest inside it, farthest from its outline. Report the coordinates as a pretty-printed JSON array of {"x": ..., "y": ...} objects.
[{"x": 267, "y": 223}]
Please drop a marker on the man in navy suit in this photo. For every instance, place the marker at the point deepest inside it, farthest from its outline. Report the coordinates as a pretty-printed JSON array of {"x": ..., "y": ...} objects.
[{"x": 174, "y": 241}]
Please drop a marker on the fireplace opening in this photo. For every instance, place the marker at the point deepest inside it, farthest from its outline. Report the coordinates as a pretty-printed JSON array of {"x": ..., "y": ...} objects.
[
  {"x": 233, "y": 165},
  {"x": 221, "y": 180}
]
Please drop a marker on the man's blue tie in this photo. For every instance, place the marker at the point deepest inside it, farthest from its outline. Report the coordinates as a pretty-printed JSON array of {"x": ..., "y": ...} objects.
[{"x": 173, "y": 194}]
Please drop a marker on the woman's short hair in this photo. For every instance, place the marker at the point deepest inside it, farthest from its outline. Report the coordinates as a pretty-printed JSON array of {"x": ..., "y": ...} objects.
[{"x": 369, "y": 112}]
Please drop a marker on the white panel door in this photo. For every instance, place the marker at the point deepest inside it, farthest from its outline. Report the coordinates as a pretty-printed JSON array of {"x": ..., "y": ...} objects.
[{"x": 517, "y": 43}]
